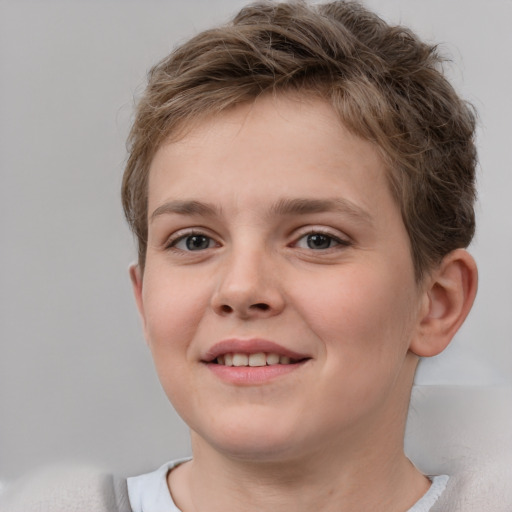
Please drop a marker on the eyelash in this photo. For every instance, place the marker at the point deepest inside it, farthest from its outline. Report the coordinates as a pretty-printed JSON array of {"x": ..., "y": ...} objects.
[
  {"x": 172, "y": 243},
  {"x": 339, "y": 241}
]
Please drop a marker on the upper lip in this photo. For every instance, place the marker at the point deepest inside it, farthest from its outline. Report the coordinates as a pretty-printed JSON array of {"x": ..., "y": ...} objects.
[{"x": 249, "y": 346}]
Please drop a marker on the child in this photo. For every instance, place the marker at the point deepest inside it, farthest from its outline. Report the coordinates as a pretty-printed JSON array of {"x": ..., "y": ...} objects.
[{"x": 301, "y": 185}]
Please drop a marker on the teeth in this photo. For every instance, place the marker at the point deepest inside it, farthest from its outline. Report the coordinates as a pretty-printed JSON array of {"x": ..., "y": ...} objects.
[
  {"x": 240, "y": 359},
  {"x": 272, "y": 359},
  {"x": 258, "y": 359}
]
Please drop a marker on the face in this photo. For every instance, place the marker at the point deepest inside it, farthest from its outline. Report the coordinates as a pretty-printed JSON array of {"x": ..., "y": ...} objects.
[{"x": 278, "y": 297}]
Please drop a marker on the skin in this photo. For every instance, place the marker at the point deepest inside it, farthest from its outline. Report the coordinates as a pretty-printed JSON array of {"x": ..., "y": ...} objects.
[{"x": 329, "y": 434}]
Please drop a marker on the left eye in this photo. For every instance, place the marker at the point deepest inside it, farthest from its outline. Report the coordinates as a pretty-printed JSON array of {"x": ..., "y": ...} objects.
[
  {"x": 194, "y": 243},
  {"x": 317, "y": 241}
]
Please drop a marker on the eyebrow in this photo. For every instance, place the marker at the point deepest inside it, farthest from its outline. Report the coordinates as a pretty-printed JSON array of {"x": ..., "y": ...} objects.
[
  {"x": 299, "y": 206},
  {"x": 285, "y": 206},
  {"x": 185, "y": 208}
]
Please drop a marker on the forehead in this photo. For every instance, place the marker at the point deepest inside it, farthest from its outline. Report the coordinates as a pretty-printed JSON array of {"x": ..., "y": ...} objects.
[{"x": 281, "y": 139}]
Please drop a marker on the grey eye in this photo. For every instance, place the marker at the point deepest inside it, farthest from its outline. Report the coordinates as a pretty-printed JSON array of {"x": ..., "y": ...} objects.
[
  {"x": 317, "y": 241},
  {"x": 194, "y": 243}
]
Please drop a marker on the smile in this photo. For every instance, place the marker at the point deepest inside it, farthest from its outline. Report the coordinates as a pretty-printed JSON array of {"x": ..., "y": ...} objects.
[
  {"x": 253, "y": 360},
  {"x": 251, "y": 352}
]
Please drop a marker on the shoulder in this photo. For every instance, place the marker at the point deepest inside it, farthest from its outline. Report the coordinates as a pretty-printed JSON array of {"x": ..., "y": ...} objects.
[
  {"x": 149, "y": 492},
  {"x": 65, "y": 488},
  {"x": 464, "y": 432}
]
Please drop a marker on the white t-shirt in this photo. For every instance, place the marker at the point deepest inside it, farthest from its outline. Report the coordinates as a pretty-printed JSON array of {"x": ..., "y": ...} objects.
[{"x": 149, "y": 492}]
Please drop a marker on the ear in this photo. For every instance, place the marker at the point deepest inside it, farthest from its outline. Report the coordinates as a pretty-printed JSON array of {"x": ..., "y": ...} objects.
[
  {"x": 136, "y": 279},
  {"x": 448, "y": 295}
]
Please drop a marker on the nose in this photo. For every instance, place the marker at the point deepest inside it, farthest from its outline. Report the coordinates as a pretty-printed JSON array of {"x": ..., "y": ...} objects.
[{"x": 248, "y": 286}]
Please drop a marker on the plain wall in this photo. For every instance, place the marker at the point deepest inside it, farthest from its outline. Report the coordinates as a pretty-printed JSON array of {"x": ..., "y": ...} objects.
[{"x": 76, "y": 379}]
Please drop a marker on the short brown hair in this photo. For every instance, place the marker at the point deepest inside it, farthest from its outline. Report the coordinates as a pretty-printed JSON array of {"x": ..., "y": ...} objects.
[{"x": 385, "y": 84}]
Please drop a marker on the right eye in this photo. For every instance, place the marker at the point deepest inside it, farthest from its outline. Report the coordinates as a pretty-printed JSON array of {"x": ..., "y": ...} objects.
[{"x": 193, "y": 242}]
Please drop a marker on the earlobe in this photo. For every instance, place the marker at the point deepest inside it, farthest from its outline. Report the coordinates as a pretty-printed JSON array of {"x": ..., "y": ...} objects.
[
  {"x": 136, "y": 279},
  {"x": 449, "y": 294}
]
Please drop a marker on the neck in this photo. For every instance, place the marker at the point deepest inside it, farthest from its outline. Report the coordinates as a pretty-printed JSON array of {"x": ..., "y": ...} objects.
[{"x": 221, "y": 484}]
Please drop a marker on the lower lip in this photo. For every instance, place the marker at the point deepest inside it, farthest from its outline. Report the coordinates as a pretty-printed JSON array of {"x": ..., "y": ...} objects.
[{"x": 252, "y": 375}]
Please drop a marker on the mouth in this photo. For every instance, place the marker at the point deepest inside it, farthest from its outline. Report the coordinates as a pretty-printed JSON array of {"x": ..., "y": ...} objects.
[
  {"x": 251, "y": 352},
  {"x": 254, "y": 359}
]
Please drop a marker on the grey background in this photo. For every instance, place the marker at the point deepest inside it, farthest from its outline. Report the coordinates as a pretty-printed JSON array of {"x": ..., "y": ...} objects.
[{"x": 76, "y": 379}]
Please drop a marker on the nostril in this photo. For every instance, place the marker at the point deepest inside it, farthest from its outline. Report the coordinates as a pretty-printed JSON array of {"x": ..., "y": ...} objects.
[
  {"x": 226, "y": 309},
  {"x": 261, "y": 306}
]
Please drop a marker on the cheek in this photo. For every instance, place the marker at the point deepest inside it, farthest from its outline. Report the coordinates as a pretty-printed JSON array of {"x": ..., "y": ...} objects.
[
  {"x": 174, "y": 306},
  {"x": 365, "y": 314},
  {"x": 365, "y": 327}
]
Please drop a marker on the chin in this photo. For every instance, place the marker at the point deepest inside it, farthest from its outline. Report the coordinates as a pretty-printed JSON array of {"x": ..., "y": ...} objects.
[
  {"x": 265, "y": 440},
  {"x": 257, "y": 451}
]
